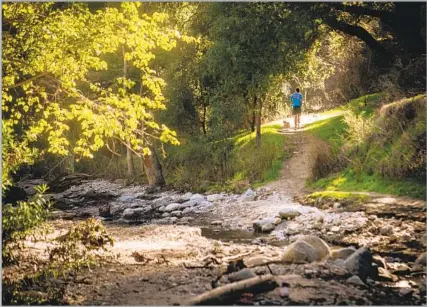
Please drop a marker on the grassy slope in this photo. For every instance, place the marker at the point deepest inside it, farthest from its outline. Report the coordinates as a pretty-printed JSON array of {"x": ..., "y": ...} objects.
[
  {"x": 331, "y": 130},
  {"x": 263, "y": 165}
]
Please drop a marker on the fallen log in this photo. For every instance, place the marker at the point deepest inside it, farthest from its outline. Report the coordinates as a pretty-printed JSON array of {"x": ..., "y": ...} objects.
[{"x": 227, "y": 293}]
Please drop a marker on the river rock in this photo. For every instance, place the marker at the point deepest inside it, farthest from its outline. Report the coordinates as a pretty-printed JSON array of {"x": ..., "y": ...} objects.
[
  {"x": 335, "y": 229},
  {"x": 172, "y": 207},
  {"x": 241, "y": 275},
  {"x": 337, "y": 206},
  {"x": 380, "y": 261},
  {"x": 424, "y": 240},
  {"x": 300, "y": 252},
  {"x": 319, "y": 245},
  {"x": 162, "y": 208},
  {"x": 128, "y": 213},
  {"x": 385, "y": 275},
  {"x": 265, "y": 225},
  {"x": 422, "y": 259},
  {"x": 166, "y": 214},
  {"x": 289, "y": 213},
  {"x": 186, "y": 197},
  {"x": 127, "y": 198},
  {"x": 342, "y": 253},
  {"x": 215, "y": 197},
  {"x": 355, "y": 280},
  {"x": 142, "y": 211},
  {"x": 205, "y": 204},
  {"x": 187, "y": 210},
  {"x": 398, "y": 268},
  {"x": 256, "y": 261},
  {"x": 173, "y": 219},
  {"x": 386, "y": 230},
  {"x": 198, "y": 198},
  {"x": 216, "y": 223},
  {"x": 188, "y": 204},
  {"x": 249, "y": 195},
  {"x": 360, "y": 263},
  {"x": 176, "y": 213},
  {"x": 277, "y": 221}
]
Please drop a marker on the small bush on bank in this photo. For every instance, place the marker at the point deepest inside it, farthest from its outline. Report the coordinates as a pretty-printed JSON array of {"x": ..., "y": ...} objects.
[{"x": 19, "y": 221}]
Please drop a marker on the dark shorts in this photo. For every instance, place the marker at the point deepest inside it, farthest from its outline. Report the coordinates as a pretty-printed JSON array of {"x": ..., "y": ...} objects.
[{"x": 296, "y": 110}]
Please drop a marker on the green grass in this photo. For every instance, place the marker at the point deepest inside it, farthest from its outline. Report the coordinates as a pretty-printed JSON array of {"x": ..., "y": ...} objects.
[
  {"x": 348, "y": 180},
  {"x": 259, "y": 165},
  {"x": 330, "y": 130}
]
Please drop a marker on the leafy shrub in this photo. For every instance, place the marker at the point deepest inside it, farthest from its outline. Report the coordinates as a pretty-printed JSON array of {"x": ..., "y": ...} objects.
[
  {"x": 20, "y": 220},
  {"x": 78, "y": 247}
]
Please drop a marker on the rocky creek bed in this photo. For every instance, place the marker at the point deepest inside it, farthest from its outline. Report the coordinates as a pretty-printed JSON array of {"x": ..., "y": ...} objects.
[{"x": 172, "y": 247}]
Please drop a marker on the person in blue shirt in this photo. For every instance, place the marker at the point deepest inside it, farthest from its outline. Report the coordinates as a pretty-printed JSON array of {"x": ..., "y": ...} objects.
[{"x": 296, "y": 101}]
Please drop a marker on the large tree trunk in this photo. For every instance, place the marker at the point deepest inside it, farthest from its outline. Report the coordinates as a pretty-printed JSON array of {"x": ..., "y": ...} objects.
[
  {"x": 258, "y": 124},
  {"x": 153, "y": 169}
]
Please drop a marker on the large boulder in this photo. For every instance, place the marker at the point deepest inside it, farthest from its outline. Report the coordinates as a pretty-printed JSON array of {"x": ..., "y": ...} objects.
[
  {"x": 319, "y": 245},
  {"x": 360, "y": 264},
  {"x": 300, "y": 252}
]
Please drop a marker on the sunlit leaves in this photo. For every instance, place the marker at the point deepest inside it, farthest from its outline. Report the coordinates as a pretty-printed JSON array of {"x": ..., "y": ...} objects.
[{"x": 53, "y": 60}]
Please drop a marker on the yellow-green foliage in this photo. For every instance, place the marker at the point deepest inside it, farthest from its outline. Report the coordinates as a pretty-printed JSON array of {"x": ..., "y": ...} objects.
[
  {"x": 339, "y": 195},
  {"x": 67, "y": 92}
]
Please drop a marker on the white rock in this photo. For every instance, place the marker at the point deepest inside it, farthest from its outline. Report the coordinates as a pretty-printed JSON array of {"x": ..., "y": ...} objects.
[
  {"x": 127, "y": 198},
  {"x": 335, "y": 229},
  {"x": 187, "y": 210},
  {"x": 386, "y": 230},
  {"x": 162, "y": 208},
  {"x": 166, "y": 214},
  {"x": 216, "y": 223},
  {"x": 172, "y": 207},
  {"x": 187, "y": 204},
  {"x": 337, "y": 206},
  {"x": 173, "y": 219},
  {"x": 289, "y": 213},
  {"x": 198, "y": 198},
  {"x": 249, "y": 195},
  {"x": 215, "y": 197}
]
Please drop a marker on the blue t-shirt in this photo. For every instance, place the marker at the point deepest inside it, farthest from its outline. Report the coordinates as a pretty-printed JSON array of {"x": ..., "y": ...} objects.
[{"x": 296, "y": 99}]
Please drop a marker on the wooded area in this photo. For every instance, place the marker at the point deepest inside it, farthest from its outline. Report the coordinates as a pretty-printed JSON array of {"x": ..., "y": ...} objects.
[{"x": 175, "y": 98}]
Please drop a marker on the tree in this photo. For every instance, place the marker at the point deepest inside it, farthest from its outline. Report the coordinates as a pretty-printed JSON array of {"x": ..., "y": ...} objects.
[
  {"x": 404, "y": 20},
  {"x": 252, "y": 43},
  {"x": 56, "y": 72}
]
